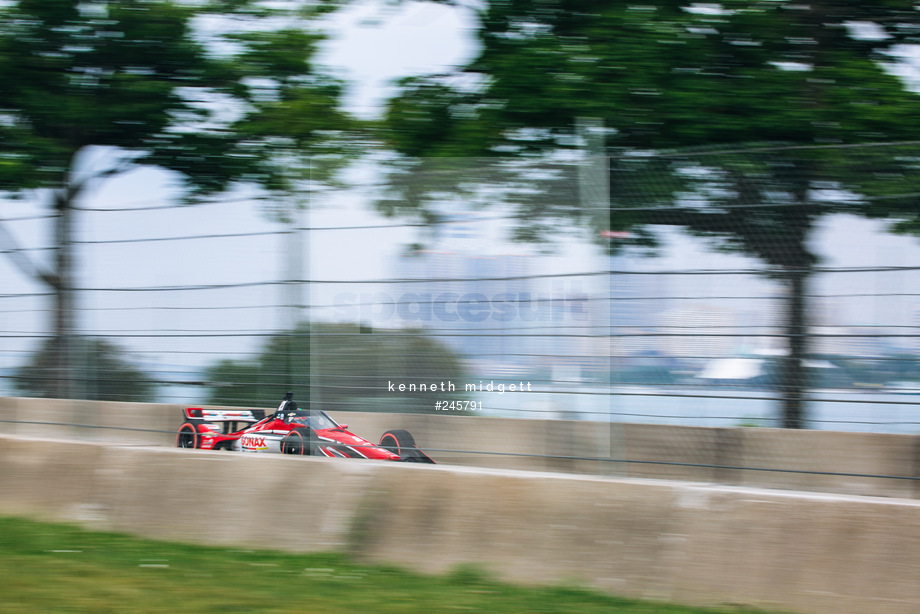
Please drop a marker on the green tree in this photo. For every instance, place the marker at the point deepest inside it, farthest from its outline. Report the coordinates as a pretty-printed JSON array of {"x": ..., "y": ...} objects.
[
  {"x": 339, "y": 367},
  {"x": 107, "y": 373},
  {"x": 282, "y": 365},
  {"x": 753, "y": 120},
  {"x": 131, "y": 80}
]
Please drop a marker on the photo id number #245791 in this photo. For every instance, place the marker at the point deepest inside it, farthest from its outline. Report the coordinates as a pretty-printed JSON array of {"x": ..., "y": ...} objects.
[{"x": 458, "y": 405}]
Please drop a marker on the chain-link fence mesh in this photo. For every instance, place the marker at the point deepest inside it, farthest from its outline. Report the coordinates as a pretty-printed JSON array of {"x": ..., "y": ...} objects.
[{"x": 682, "y": 288}]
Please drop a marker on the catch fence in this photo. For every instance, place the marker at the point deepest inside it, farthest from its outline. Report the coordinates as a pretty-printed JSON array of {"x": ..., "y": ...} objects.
[{"x": 642, "y": 310}]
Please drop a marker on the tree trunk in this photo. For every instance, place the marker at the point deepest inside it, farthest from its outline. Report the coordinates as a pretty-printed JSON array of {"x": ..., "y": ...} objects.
[
  {"x": 62, "y": 381},
  {"x": 792, "y": 373}
]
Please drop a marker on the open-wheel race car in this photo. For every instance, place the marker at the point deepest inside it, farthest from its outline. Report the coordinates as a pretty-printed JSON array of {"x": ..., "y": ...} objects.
[{"x": 289, "y": 430}]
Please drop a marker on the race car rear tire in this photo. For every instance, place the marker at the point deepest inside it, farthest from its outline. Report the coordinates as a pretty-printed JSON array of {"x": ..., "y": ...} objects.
[
  {"x": 188, "y": 436},
  {"x": 298, "y": 441}
]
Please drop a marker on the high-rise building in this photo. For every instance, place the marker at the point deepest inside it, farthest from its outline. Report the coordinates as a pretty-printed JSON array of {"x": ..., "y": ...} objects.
[{"x": 478, "y": 305}]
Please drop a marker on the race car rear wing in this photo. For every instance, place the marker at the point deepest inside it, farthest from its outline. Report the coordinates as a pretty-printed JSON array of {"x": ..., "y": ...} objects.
[{"x": 224, "y": 415}]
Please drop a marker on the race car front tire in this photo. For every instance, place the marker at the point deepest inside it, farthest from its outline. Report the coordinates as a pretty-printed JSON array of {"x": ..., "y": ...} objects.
[
  {"x": 401, "y": 442},
  {"x": 298, "y": 441}
]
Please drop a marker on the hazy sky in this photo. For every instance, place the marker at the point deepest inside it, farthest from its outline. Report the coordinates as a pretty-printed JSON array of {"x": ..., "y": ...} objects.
[{"x": 372, "y": 44}]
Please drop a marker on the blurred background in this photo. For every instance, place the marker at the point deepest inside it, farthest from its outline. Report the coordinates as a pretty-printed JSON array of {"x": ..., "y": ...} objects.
[{"x": 694, "y": 214}]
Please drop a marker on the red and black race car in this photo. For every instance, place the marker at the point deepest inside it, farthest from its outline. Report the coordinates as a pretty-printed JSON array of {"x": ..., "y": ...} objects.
[{"x": 289, "y": 430}]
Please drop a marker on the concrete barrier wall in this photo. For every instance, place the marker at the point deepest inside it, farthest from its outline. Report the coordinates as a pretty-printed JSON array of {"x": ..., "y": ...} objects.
[
  {"x": 136, "y": 423},
  {"x": 664, "y": 540},
  {"x": 773, "y": 458}
]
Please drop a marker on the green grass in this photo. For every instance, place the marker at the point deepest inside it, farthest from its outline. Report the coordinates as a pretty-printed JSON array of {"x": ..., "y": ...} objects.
[{"x": 51, "y": 568}]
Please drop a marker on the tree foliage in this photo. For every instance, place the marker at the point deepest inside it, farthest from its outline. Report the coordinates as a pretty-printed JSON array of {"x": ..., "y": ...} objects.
[
  {"x": 135, "y": 77},
  {"x": 106, "y": 373},
  {"x": 338, "y": 367},
  {"x": 282, "y": 365}
]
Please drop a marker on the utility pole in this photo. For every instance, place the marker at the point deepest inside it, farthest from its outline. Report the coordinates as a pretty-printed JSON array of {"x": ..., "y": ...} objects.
[{"x": 594, "y": 200}]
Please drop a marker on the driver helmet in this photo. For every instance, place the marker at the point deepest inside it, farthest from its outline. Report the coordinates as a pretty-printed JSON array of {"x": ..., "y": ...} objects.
[{"x": 287, "y": 405}]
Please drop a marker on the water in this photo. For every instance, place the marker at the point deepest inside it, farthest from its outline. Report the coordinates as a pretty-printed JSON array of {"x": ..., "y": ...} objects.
[{"x": 838, "y": 410}]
